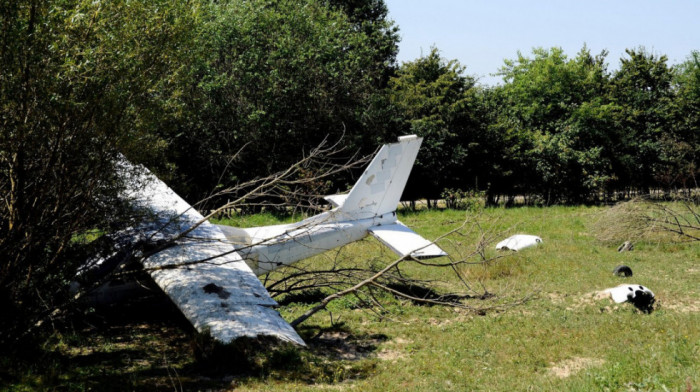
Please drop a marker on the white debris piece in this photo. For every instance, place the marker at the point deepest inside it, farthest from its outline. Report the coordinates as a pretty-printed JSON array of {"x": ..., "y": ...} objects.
[
  {"x": 628, "y": 292},
  {"x": 519, "y": 242}
]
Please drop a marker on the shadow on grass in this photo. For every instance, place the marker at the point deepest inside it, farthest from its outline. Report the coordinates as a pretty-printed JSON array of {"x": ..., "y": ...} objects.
[
  {"x": 338, "y": 342},
  {"x": 421, "y": 292},
  {"x": 333, "y": 355},
  {"x": 149, "y": 345},
  {"x": 304, "y": 297}
]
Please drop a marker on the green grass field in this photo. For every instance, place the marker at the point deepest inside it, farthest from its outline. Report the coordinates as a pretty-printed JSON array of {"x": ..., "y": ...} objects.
[{"x": 562, "y": 338}]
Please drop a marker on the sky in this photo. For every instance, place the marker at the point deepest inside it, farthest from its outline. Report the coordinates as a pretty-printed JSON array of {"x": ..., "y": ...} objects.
[{"x": 481, "y": 34}]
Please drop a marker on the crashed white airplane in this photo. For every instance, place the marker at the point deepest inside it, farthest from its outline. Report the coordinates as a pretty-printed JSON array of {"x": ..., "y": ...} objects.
[{"x": 211, "y": 273}]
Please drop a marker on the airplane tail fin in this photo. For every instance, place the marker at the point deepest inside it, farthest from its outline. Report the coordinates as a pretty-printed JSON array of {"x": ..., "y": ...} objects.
[
  {"x": 378, "y": 192},
  {"x": 379, "y": 189}
]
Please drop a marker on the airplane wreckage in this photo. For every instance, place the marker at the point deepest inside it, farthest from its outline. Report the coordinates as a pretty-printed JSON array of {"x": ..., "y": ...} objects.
[{"x": 211, "y": 273}]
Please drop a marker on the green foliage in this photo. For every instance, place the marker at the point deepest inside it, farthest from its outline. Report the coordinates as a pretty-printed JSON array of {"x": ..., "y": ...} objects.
[
  {"x": 180, "y": 86},
  {"x": 682, "y": 144},
  {"x": 642, "y": 88},
  {"x": 434, "y": 99},
  {"x": 458, "y": 199},
  {"x": 371, "y": 17},
  {"x": 566, "y": 130},
  {"x": 557, "y": 108},
  {"x": 81, "y": 82},
  {"x": 280, "y": 93}
]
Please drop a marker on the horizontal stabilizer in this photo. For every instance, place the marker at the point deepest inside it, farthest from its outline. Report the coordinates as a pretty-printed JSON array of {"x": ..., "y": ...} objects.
[
  {"x": 336, "y": 200},
  {"x": 235, "y": 235},
  {"x": 404, "y": 241}
]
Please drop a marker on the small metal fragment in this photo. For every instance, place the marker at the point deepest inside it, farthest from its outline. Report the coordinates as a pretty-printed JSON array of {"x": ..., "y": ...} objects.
[{"x": 627, "y": 245}]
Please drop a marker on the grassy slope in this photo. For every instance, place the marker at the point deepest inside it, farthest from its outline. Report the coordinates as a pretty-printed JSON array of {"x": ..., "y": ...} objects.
[{"x": 603, "y": 346}]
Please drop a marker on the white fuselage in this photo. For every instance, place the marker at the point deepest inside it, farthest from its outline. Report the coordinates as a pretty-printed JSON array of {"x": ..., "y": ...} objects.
[
  {"x": 270, "y": 247},
  {"x": 369, "y": 208}
]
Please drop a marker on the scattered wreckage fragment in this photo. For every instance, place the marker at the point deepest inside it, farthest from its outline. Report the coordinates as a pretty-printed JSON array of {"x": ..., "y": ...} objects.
[
  {"x": 641, "y": 297},
  {"x": 622, "y": 271},
  {"x": 519, "y": 242}
]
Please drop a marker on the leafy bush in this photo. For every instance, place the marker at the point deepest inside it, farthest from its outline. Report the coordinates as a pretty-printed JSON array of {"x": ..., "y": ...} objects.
[
  {"x": 458, "y": 199},
  {"x": 82, "y": 82}
]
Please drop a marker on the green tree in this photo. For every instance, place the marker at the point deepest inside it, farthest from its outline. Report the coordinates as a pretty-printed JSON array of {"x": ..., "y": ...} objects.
[
  {"x": 682, "y": 145},
  {"x": 81, "y": 82},
  {"x": 372, "y": 18},
  {"x": 506, "y": 170},
  {"x": 642, "y": 88},
  {"x": 279, "y": 76},
  {"x": 558, "y": 126},
  {"x": 434, "y": 99}
]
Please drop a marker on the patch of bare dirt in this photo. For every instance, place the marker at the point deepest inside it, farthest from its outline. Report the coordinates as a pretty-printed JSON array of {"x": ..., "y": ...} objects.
[
  {"x": 556, "y": 298},
  {"x": 594, "y": 298},
  {"x": 440, "y": 322},
  {"x": 402, "y": 341},
  {"x": 395, "y": 351},
  {"x": 333, "y": 387},
  {"x": 569, "y": 367},
  {"x": 391, "y": 355},
  {"x": 683, "y": 305}
]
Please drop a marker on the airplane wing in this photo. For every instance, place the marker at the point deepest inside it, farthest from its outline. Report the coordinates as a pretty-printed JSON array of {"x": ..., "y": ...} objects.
[
  {"x": 204, "y": 276},
  {"x": 404, "y": 241}
]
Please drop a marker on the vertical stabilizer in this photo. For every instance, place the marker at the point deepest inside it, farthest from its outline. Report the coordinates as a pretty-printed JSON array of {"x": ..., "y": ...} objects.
[{"x": 379, "y": 189}]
